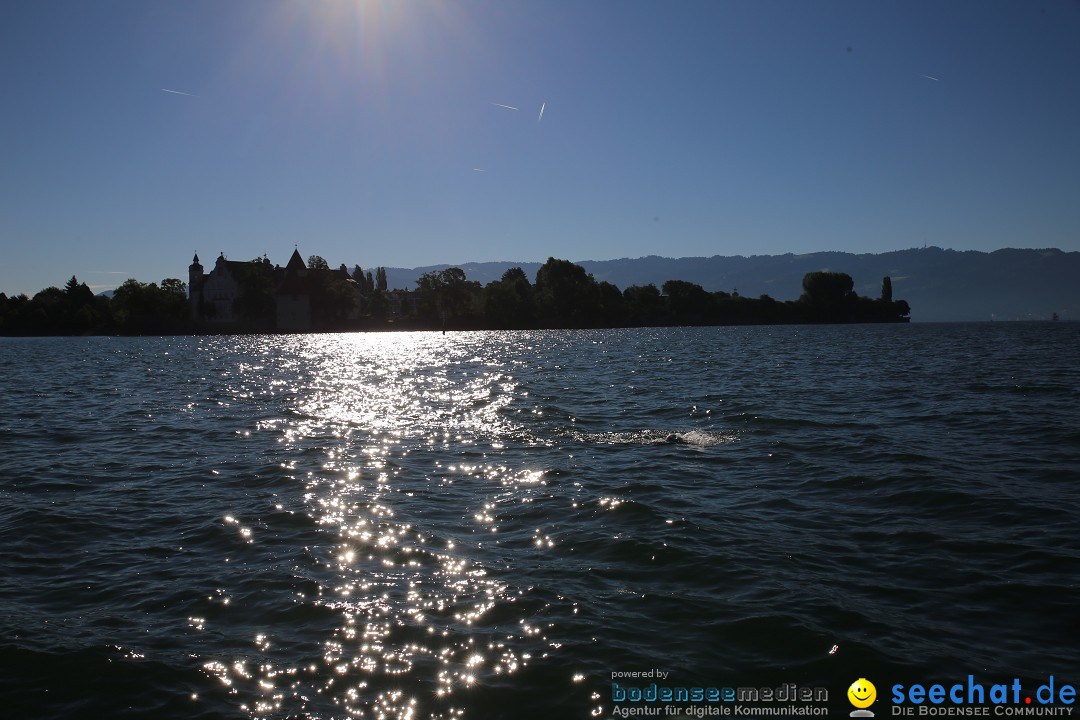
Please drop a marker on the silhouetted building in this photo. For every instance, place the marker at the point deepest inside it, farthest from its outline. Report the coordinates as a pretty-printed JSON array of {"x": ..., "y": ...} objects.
[
  {"x": 212, "y": 296},
  {"x": 292, "y": 300},
  {"x": 254, "y": 295}
]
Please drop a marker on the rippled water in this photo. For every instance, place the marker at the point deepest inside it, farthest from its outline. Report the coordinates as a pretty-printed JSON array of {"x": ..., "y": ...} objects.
[{"x": 484, "y": 525}]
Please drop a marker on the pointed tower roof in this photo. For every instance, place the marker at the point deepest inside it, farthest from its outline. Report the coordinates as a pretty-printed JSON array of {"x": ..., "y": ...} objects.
[{"x": 295, "y": 262}]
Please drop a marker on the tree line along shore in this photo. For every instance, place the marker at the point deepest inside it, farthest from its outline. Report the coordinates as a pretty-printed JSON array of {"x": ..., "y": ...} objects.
[{"x": 563, "y": 295}]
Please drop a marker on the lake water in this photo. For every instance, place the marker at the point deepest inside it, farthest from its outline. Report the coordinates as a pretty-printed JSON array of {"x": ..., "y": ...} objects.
[{"x": 484, "y": 525}]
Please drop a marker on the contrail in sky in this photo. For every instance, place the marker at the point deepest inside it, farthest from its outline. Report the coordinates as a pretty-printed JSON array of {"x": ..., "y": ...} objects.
[
  {"x": 542, "y": 106},
  {"x": 930, "y": 77},
  {"x": 508, "y": 107},
  {"x": 177, "y": 92},
  {"x": 479, "y": 170}
]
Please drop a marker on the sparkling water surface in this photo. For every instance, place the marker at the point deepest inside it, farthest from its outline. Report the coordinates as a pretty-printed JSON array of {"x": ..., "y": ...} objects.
[{"x": 484, "y": 525}]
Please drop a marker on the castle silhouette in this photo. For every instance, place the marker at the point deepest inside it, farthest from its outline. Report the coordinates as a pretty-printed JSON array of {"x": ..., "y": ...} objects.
[{"x": 277, "y": 298}]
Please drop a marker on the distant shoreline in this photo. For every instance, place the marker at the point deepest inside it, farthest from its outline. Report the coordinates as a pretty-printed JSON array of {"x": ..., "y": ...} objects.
[{"x": 258, "y": 297}]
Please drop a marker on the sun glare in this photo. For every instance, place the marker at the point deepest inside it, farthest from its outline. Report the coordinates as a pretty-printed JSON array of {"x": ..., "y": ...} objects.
[{"x": 342, "y": 47}]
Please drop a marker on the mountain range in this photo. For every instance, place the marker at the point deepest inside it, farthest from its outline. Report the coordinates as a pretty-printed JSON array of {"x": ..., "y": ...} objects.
[{"x": 940, "y": 285}]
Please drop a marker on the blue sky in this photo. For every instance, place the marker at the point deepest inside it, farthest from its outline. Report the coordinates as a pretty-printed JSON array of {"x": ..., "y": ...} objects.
[{"x": 369, "y": 131}]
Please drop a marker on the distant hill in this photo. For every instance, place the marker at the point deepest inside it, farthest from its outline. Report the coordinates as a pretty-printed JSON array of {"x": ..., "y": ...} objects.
[{"x": 940, "y": 285}]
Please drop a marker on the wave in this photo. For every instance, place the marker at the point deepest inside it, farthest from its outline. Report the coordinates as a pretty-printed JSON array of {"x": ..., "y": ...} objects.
[{"x": 698, "y": 438}]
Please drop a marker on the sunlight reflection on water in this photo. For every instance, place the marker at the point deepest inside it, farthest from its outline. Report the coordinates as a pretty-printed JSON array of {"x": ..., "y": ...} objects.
[
  {"x": 404, "y": 384},
  {"x": 408, "y": 588}
]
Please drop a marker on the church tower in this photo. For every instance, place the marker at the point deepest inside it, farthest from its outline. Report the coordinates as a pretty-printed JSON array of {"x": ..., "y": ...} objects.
[{"x": 195, "y": 282}]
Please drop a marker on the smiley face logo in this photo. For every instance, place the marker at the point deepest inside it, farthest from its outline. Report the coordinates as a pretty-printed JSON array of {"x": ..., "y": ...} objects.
[{"x": 862, "y": 693}]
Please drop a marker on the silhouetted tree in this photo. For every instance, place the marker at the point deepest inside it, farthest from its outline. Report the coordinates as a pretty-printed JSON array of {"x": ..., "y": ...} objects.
[
  {"x": 768, "y": 310},
  {"x": 316, "y": 262},
  {"x": 380, "y": 279},
  {"x": 380, "y": 304},
  {"x": 688, "y": 302},
  {"x": 829, "y": 296},
  {"x": 45, "y": 311},
  {"x": 428, "y": 287},
  {"x": 338, "y": 301},
  {"x": 644, "y": 305},
  {"x": 172, "y": 304},
  {"x": 14, "y": 316},
  {"x": 444, "y": 295},
  {"x": 612, "y": 309},
  {"x": 566, "y": 296},
  {"x": 80, "y": 312},
  {"x": 333, "y": 296},
  {"x": 901, "y": 311},
  {"x": 824, "y": 286},
  {"x": 361, "y": 281},
  {"x": 142, "y": 308},
  {"x": 886, "y": 289},
  {"x": 176, "y": 286},
  {"x": 509, "y": 302}
]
